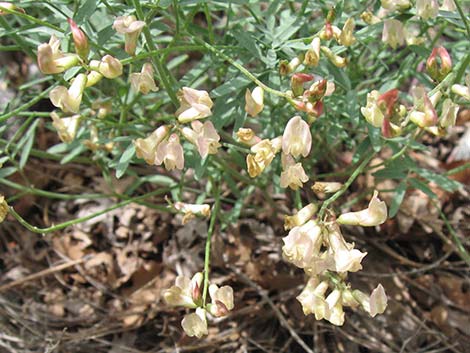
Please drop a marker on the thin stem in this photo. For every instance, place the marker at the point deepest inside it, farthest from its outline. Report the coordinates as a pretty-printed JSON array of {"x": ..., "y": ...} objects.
[
  {"x": 242, "y": 69},
  {"x": 63, "y": 225},
  {"x": 346, "y": 185},
  {"x": 207, "y": 257},
  {"x": 462, "y": 15},
  {"x": 161, "y": 69}
]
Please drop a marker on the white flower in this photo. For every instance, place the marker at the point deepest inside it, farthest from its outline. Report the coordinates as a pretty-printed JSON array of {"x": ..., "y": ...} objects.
[
  {"x": 170, "y": 152},
  {"x": 186, "y": 292},
  {"x": 375, "y": 214},
  {"x": 301, "y": 217},
  {"x": 190, "y": 210},
  {"x": 195, "y": 324},
  {"x": 68, "y": 100},
  {"x": 335, "y": 305},
  {"x": 303, "y": 243},
  {"x": 372, "y": 111},
  {"x": 51, "y": 60},
  {"x": 143, "y": 82},
  {"x": 346, "y": 258},
  {"x": 195, "y": 104},
  {"x": 131, "y": 28},
  {"x": 222, "y": 300},
  {"x": 297, "y": 139},
  {"x": 313, "y": 300},
  {"x": 427, "y": 9},
  {"x": 254, "y": 101},
  {"x": 66, "y": 127},
  {"x": 147, "y": 148},
  {"x": 393, "y": 33},
  {"x": 204, "y": 136}
]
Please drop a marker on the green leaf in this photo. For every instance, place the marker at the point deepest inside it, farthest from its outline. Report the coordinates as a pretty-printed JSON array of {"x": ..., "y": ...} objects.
[
  {"x": 29, "y": 137},
  {"x": 418, "y": 184},
  {"x": 124, "y": 161},
  {"x": 441, "y": 180},
  {"x": 85, "y": 11},
  {"x": 397, "y": 199},
  {"x": 236, "y": 84},
  {"x": 4, "y": 172}
]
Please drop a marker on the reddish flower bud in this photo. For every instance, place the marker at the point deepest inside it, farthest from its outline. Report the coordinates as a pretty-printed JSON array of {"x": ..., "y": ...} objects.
[
  {"x": 432, "y": 65},
  {"x": 297, "y": 82},
  {"x": 386, "y": 102},
  {"x": 80, "y": 40}
]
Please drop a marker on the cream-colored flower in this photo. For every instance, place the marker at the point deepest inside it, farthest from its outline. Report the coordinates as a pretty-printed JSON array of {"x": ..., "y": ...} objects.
[
  {"x": 312, "y": 298},
  {"x": 66, "y": 127},
  {"x": 144, "y": 81},
  {"x": 448, "y": 5},
  {"x": 427, "y": 9},
  {"x": 462, "y": 90},
  {"x": 262, "y": 155},
  {"x": 375, "y": 304},
  {"x": 393, "y": 5},
  {"x": 336, "y": 60},
  {"x": 109, "y": 66},
  {"x": 68, "y": 100},
  {"x": 186, "y": 292},
  {"x": 191, "y": 210},
  {"x": 393, "y": 33},
  {"x": 203, "y": 136},
  {"x": 347, "y": 259},
  {"x": 312, "y": 56},
  {"x": 146, "y": 148},
  {"x": 131, "y": 28},
  {"x": 335, "y": 305},
  {"x": 326, "y": 187},
  {"x": 449, "y": 113},
  {"x": 194, "y": 104},
  {"x": 254, "y": 101},
  {"x": 424, "y": 114},
  {"x": 293, "y": 176},
  {"x": 297, "y": 138},
  {"x": 247, "y": 136},
  {"x": 222, "y": 300},
  {"x": 3, "y": 208},
  {"x": 195, "y": 324},
  {"x": 301, "y": 217},
  {"x": 170, "y": 152},
  {"x": 375, "y": 214},
  {"x": 372, "y": 111},
  {"x": 346, "y": 37},
  {"x": 303, "y": 243},
  {"x": 51, "y": 60}
]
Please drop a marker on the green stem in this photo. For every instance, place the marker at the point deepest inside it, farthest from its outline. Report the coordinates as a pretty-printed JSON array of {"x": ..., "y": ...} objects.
[
  {"x": 346, "y": 185},
  {"x": 63, "y": 225},
  {"x": 244, "y": 71},
  {"x": 462, "y": 15},
  {"x": 161, "y": 69},
  {"x": 207, "y": 256}
]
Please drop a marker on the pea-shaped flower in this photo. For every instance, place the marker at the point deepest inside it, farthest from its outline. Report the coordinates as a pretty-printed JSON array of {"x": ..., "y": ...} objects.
[
  {"x": 375, "y": 214},
  {"x": 393, "y": 33},
  {"x": 297, "y": 139},
  {"x": 195, "y": 324},
  {"x": 222, "y": 300},
  {"x": 109, "y": 66},
  {"x": 312, "y": 298},
  {"x": 66, "y": 127},
  {"x": 254, "y": 101},
  {"x": 303, "y": 243},
  {"x": 143, "y": 82},
  {"x": 131, "y": 28},
  {"x": 170, "y": 152},
  {"x": 427, "y": 9},
  {"x": 203, "y": 136},
  {"x": 301, "y": 217},
  {"x": 51, "y": 60},
  {"x": 186, "y": 292},
  {"x": 68, "y": 100},
  {"x": 194, "y": 104},
  {"x": 147, "y": 148}
]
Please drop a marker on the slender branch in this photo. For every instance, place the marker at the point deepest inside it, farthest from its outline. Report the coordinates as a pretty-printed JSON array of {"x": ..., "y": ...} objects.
[
  {"x": 207, "y": 257},
  {"x": 464, "y": 18}
]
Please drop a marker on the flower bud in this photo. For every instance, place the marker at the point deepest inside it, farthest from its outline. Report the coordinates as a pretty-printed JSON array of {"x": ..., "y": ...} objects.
[
  {"x": 287, "y": 67},
  {"x": 297, "y": 82},
  {"x": 131, "y": 28},
  {"x": 312, "y": 56},
  {"x": 393, "y": 33},
  {"x": 66, "y": 127},
  {"x": 326, "y": 187},
  {"x": 346, "y": 37},
  {"x": 147, "y": 148},
  {"x": 378, "y": 301},
  {"x": 427, "y": 9},
  {"x": 69, "y": 100},
  {"x": 191, "y": 210},
  {"x": 254, "y": 101},
  {"x": 369, "y": 18},
  {"x": 301, "y": 217},
  {"x": 297, "y": 139},
  {"x": 80, "y": 40},
  {"x": 436, "y": 72},
  {"x": 375, "y": 214},
  {"x": 393, "y": 5},
  {"x": 386, "y": 102},
  {"x": 3, "y": 208},
  {"x": 336, "y": 60},
  {"x": 109, "y": 66},
  {"x": 170, "y": 152},
  {"x": 93, "y": 78},
  {"x": 51, "y": 60},
  {"x": 194, "y": 104},
  {"x": 247, "y": 136},
  {"x": 195, "y": 324},
  {"x": 317, "y": 91}
]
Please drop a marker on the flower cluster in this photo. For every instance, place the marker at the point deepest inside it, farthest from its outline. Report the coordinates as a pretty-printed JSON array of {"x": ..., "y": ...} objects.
[
  {"x": 163, "y": 146},
  {"x": 188, "y": 293},
  {"x": 320, "y": 250}
]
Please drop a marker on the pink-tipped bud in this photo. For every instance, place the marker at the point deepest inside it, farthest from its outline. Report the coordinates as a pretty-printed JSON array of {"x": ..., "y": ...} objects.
[
  {"x": 80, "y": 40},
  {"x": 436, "y": 71},
  {"x": 316, "y": 91},
  {"x": 328, "y": 33},
  {"x": 297, "y": 82}
]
